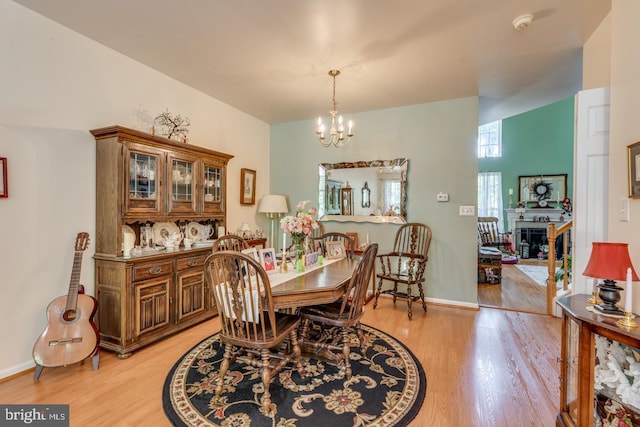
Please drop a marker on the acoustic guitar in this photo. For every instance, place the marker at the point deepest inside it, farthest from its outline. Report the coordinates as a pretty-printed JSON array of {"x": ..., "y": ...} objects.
[{"x": 71, "y": 335}]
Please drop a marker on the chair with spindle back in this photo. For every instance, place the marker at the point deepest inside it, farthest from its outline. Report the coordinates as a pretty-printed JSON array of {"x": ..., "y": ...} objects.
[
  {"x": 406, "y": 264},
  {"x": 252, "y": 330}
]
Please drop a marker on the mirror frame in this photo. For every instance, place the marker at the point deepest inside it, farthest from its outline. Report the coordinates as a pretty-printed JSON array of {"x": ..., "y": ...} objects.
[{"x": 404, "y": 166}]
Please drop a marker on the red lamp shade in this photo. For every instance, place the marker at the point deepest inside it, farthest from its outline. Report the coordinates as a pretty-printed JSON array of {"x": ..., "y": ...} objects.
[{"x": 610, "y": 261}]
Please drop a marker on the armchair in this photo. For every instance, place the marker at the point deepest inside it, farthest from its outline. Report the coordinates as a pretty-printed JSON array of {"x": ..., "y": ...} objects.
[{"x": 406, "y": 264}]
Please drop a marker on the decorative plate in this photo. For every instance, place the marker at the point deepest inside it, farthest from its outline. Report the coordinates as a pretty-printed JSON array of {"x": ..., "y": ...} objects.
[
  {"x": 193, "y": 231},
  {"x": 162, "y": 230}
]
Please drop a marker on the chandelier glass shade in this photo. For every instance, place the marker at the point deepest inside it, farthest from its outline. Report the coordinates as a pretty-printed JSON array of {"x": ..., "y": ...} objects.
[{"x": 336, "y": 134}]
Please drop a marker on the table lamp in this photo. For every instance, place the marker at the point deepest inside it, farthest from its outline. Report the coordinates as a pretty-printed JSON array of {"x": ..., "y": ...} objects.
[
  {"x": 273, "y": 205},
  {"x": 610, "y": 261}
]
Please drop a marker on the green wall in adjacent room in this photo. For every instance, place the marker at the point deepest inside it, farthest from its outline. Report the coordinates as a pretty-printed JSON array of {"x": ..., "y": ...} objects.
[{"x": 538, "y": 142}]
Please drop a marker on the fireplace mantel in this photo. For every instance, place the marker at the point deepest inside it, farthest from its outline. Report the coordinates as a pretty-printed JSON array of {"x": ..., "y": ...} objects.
[{"x": 529, "y": 216}]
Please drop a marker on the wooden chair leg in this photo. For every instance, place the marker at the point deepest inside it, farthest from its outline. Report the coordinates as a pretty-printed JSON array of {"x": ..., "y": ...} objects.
[
  {"x": 421, "y": 289},
  {"x": 346, "y": 352},
  {"x": 36, "y": 374},
  {"x": 224, "y": 367},
  {"x": 267, "y": 407},
  {"x": 375, "y": 303}
]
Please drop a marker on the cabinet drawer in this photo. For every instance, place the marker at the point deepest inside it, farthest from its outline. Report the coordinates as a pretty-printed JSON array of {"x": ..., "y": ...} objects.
[
  {"x": 152, "y": 269},
  {"x": 190, "y": 262}
]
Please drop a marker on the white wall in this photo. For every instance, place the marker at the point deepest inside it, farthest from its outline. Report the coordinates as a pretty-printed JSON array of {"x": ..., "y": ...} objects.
[
  {"x": 56, "y": 85},
  {"x": 596, "y": 57},
  {"x": 625, "y": 126}
]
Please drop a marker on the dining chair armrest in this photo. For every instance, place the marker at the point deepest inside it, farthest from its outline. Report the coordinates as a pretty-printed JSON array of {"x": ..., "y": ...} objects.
[{"x": 409, "y": 265}]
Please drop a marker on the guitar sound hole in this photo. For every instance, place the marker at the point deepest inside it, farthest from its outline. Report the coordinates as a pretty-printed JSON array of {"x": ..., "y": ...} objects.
[{"x": 70, "y": 315}]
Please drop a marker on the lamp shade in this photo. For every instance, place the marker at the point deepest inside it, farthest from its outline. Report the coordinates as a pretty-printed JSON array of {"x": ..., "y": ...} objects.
[
  {"x": 273, "y": 203},
  {"x": 610, "y": 261}
]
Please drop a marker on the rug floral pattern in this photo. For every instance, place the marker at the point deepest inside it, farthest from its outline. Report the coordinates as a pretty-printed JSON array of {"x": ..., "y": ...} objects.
[{"x": 386, "y": 389}]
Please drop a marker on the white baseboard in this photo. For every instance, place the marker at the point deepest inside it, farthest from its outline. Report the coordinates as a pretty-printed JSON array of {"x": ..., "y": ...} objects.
[
  {"x": 16, "y": 369},
  {"x": 449, "y": 303}
]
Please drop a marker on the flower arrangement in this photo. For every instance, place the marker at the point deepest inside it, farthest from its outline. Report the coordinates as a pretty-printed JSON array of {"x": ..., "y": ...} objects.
[{"x": 301, "y": 224}]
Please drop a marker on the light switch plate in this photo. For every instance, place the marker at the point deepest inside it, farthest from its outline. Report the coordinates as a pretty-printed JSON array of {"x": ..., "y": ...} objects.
[
  {"x": 623, "y": 210},
  {"x": 467, "y": 210}
]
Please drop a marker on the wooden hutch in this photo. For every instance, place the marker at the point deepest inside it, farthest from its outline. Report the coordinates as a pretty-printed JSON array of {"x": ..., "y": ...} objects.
[
  {"x": 144, "y": 179},
  {"x": 587, "y": 372}
]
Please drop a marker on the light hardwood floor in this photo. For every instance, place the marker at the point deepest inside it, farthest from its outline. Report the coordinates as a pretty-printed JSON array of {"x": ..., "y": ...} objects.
[
  {"x": 516, "y": 292},
  {"x": 484, "y": 368}
]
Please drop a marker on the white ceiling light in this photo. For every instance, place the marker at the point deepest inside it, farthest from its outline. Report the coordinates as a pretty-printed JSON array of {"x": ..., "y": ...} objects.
[
  {"x": 522, "y": 21},
  {"x": 336, "y": 132}
]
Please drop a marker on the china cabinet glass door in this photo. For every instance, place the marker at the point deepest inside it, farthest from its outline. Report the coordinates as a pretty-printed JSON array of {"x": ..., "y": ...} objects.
[
  {"x": 142, "y": 194},
  {"x": 182, "y": 179},
  {"x": 212, "y": 189}
]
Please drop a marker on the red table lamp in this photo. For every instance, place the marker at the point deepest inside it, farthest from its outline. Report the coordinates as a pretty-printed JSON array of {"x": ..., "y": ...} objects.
[{"x": 609, "y": 261}]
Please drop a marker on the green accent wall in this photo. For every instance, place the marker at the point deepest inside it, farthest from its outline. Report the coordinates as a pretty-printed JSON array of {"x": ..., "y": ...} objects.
[{"x": 538, "y": 142}]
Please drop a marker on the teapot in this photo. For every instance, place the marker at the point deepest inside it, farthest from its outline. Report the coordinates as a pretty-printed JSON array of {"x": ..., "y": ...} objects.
[
  {"x": 173, "y": 240},
  {"x": 206, "y": 231}
]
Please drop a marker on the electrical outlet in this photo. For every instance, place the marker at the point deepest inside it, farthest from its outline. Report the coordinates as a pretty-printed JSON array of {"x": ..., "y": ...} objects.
[
  {"x": 467, "y": 210},
  {"x": 442, "y": 197},
  {"x": 623, "y": 210}
]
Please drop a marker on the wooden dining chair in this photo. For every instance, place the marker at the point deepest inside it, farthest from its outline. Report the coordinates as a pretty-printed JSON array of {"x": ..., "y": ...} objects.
[
  {"x": 252, "y": 331},
  {"x": 229, "y": 242},
  {"x": 405, "y": 264},
  {"x": 348, "y": 241},
  {"x": 344, "y": 313}
]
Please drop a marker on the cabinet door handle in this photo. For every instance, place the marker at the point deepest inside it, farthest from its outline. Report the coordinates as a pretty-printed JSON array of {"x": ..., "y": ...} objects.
[
  {"x": 155, "y": 270},
  {"x": 192, "y": 262}
]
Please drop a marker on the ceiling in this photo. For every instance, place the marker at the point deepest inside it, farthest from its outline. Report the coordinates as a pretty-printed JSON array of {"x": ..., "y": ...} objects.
[{"x": 270, "y": 58}]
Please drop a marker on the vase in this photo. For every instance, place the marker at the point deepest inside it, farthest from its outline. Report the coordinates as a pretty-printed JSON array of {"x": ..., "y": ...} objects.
[{"x": 299, "y": 250}]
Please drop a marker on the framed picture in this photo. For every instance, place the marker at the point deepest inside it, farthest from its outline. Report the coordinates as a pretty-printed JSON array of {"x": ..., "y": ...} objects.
[
  {"x": 354, "y": 236},
  {"x": 335, "y": 250},
  {"x": 247, "y": 187},
  {"x": 268, "y": 259},
  {"x": 542, "y": 189},
  {"x": 4, "y": 190},
  {"x": 319, "y": 246},
  {"x": 253, "y": 253},
  {"x": 633, "y": 155}
]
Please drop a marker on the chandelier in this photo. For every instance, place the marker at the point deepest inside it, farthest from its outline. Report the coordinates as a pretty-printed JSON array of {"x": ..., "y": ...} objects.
[{"x": 336, "y": 132}]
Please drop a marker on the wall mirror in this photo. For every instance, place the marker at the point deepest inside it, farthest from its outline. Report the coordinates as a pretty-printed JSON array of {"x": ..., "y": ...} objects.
[{"x": 383, "y": 195}]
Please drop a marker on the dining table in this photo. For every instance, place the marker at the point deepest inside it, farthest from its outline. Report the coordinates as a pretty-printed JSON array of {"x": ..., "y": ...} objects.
[{"x": 317, "y": 284}]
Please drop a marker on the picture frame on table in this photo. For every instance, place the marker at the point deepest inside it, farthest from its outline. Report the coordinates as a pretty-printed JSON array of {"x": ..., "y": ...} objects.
[
  {"x": 247, "y": 186},
  {"x": 354, "y": 236},
  {"x": 633, "y": 157},
  {"x": 268, "y": 259},
  {"x": 335, "y": 250},
  {"x": 4, "y": 188}
]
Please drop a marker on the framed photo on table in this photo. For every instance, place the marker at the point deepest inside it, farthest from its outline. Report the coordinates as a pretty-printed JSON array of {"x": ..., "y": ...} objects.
[
  {"x": 633, "y": 155},
  {"x": 247, "y": 187},
  {"x": 268, "y": 259},
  {"x": 335, "y": 250}
]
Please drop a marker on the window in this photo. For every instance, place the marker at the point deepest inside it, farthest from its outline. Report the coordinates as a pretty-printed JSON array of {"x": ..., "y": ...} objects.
[
  {"x": 490, "y": 139},
  {"x": 490, "y": 194}
]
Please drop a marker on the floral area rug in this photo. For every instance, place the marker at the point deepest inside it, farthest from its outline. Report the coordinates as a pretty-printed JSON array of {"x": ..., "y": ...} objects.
[{"x": 387, "y": 388}]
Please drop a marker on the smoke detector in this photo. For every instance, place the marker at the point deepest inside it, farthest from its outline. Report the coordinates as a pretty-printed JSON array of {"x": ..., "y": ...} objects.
[{"x": 522, "y": 21}]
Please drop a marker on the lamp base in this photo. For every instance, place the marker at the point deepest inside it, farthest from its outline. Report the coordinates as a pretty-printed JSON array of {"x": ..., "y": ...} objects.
[{"x": 610, "y": 295}]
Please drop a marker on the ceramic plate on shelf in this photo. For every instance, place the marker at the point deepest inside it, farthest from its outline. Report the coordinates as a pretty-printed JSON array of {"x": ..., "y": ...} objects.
[
  {"x": 162, "y": 230},
  {"x": 193, "y": 231}
]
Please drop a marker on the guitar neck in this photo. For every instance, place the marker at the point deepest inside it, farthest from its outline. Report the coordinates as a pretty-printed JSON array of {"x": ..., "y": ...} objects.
[{"x": 72, "y": 296}]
